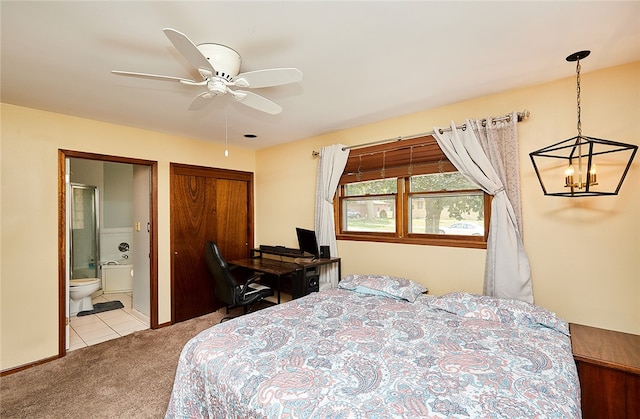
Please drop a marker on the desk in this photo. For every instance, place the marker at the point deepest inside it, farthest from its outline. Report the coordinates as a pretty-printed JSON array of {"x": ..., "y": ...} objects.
[{"x": 304, "y": 275}]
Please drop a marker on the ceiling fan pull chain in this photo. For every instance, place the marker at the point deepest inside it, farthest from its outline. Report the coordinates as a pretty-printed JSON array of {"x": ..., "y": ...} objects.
[{"x": 226, "y": 133}]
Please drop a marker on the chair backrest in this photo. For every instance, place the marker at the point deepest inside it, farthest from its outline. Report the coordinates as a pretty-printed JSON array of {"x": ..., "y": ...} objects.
[{"x": 225, "y": 285}]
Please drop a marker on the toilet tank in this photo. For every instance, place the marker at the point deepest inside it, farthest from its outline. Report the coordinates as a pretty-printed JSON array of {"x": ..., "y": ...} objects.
[{"x": 117, "y": 278}]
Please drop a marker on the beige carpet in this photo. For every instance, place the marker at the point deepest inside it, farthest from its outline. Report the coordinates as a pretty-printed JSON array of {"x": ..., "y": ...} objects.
[{"x": 129, "y": 377}]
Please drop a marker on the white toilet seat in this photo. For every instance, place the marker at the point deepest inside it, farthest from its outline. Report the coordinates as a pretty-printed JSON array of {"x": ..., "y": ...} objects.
[{"x": 83, "y": 281}]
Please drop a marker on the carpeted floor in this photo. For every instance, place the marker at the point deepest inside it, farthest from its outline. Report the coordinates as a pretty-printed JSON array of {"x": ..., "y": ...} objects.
[{"x": 129, "y": 377}]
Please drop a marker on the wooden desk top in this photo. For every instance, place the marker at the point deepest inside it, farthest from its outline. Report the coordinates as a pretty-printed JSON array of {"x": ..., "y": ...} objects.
[
  {"x": 317, "y": 262},
  {"x": 607, "y": 348},
  {"x": 277, "y": 266}
]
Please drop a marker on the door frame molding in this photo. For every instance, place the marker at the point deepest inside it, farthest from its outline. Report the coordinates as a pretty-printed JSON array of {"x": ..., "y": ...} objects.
[{"x": 62, "y": 236}]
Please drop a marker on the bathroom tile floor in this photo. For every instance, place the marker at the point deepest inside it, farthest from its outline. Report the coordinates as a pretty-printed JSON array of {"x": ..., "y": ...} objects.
[{"x": 96, "y": 328}]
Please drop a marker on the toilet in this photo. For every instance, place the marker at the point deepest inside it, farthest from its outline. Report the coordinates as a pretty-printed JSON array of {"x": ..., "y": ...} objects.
[{"x": 80, "y": 291}]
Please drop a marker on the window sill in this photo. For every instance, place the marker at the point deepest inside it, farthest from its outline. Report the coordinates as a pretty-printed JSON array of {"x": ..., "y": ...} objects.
[{"x": 464, "y": 242}]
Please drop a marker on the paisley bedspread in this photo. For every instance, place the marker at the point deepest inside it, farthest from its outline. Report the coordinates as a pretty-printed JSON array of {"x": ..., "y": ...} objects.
[{"x": 344, "y": 354}]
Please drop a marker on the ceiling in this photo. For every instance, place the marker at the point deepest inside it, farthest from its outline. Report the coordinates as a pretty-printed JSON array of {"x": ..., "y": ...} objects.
[{"x": 363, "y": 61}]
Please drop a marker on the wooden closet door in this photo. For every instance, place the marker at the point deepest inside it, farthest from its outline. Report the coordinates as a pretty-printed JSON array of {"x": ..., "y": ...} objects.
[
  {"x": 232, "y": 218},
  {"x": 206, "y": 204}
]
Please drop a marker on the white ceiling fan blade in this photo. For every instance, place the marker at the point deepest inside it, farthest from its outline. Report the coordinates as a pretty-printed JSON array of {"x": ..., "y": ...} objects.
[
  {"x": 200, "y": 101},
  {"x": 256, "y": 101},
  {"x": 157, "y": 77},
  {"x": 268, "y": 77},
  {"x": 189, "y": 50}
]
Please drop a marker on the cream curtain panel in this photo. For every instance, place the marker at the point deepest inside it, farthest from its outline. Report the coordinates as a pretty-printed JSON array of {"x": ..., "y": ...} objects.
[
  {"x": 507, "y": 269},
  {"x": 499, "y": 140},
  {"x": 330, "y": 167}
]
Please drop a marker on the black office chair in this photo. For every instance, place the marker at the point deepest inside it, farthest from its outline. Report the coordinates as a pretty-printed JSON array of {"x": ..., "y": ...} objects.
[{"x": 235, "y": 286}]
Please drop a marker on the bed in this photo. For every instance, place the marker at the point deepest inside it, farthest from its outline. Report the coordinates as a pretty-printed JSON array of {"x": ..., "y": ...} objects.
[{"x": 378, "y": 347}]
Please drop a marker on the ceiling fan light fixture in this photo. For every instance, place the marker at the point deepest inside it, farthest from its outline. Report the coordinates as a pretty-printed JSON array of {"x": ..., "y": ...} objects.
[
  {"x": 216, "y": 88},
  {"x": 590, "y": 166}
]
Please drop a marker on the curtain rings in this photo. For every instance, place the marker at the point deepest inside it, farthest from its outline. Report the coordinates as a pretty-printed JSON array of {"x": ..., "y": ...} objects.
[
  {"x": 494, "y": 121},
  {"x": 463, "y": 127}
]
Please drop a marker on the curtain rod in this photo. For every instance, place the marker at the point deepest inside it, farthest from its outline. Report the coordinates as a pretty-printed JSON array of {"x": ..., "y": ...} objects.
[{"x": 521, "y": 116}]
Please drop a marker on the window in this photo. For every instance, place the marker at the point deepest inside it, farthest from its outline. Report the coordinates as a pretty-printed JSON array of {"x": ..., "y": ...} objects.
[
  {"x": 409, "y": 192},
  {"x": 370, "y": 206}
]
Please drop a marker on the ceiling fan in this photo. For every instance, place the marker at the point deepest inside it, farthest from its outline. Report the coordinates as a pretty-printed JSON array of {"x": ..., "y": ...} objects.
[{"x": 219, "y": 68}]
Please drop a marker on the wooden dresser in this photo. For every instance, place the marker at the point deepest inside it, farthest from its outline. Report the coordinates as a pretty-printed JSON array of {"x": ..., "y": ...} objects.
[{"x": 609, "y": 369}]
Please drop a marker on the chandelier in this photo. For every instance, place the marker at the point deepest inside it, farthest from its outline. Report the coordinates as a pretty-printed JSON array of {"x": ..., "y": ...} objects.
[{"x": 591, "y": 166}]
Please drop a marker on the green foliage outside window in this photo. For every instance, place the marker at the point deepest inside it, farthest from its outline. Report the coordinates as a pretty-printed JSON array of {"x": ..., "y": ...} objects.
[
  {"x": 374, "y": 187},
  {"x": 435, "y": 202}
]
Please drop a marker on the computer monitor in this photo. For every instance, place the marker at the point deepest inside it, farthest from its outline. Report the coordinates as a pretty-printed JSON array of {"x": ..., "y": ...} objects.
[{"x": 307, "y": 241}]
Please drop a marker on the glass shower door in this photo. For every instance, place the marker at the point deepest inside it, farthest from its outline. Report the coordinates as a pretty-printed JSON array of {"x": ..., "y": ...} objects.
[{"x": 84, "y": 231}]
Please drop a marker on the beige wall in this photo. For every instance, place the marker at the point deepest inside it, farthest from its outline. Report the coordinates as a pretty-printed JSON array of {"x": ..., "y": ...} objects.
[
  {"x": 584, "y": 252},
  {"x": 29, "y": 211}
]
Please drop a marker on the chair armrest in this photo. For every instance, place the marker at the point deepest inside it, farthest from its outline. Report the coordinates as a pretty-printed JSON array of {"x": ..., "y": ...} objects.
[
  {"x": 251, "y": 280},
  {"x": 252, "y": 300}
]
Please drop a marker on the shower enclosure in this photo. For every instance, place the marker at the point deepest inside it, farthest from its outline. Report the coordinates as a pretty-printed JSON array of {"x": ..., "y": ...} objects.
[{"x": 84, "y": 231}]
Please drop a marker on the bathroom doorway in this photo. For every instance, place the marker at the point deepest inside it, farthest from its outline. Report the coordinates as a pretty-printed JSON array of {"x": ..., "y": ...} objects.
[{"x": 125, "y": 229}]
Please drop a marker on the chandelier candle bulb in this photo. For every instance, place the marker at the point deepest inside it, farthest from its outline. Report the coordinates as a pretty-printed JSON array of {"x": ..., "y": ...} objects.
[
  {"x": 593, "y": 178},
  {"x": 568, "y": 176}
]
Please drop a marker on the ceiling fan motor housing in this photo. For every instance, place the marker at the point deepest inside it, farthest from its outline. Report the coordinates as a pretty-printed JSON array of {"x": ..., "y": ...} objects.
[{"x": 225, "y": 60}]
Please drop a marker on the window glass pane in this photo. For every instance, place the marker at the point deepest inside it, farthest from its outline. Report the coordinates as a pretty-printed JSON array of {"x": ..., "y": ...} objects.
[
  {"x": 374, "y": 187},
  {"x": 453, "y": 181},
  {"x": 459, "y": 214},
  {"x": 375, "y": 214}
]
